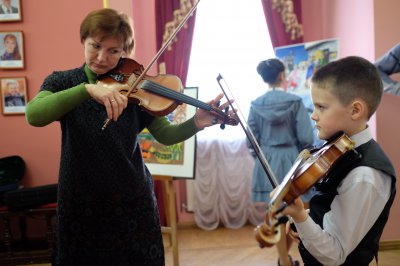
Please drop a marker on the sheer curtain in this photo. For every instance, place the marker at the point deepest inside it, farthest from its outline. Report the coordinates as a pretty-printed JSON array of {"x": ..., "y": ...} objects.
[{"x": 231, "y": 38}]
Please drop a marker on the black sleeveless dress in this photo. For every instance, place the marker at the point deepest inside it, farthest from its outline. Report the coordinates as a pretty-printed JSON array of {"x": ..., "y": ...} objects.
[{"x": 107, "y": 212}]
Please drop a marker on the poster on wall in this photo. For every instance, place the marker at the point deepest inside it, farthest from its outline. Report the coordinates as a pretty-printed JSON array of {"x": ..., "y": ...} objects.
[
  {"x": 175, "y": 160},
  {"x": 11, "y": 49},
  {"x": 10, "y": 10},
  {"x": 301, "y": 61}
]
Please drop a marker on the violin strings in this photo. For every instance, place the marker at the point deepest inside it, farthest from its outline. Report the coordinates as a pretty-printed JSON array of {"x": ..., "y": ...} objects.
[{"x": 171, "y": 94}]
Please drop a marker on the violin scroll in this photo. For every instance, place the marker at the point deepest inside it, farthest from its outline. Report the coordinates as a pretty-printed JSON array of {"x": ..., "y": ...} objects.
[{"x": 268, "y": 235}]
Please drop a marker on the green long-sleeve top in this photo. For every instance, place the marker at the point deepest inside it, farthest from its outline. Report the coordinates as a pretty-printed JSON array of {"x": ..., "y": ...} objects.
[{"x": 48, "y": 107}]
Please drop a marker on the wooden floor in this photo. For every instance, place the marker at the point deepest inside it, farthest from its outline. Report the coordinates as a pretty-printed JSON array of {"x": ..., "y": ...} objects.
[{"x": 236, "y": 247}]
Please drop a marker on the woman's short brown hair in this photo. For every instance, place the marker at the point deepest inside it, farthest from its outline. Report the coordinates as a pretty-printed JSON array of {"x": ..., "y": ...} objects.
[{"x": 108, "y": 22}]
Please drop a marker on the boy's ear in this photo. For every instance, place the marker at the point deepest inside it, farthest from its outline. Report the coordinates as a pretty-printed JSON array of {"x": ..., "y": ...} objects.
[{"x": 359, "y": 109}]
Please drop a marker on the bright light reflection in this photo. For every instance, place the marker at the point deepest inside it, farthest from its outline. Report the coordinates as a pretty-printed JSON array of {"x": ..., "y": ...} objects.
[{"x": 231, "y": 38}]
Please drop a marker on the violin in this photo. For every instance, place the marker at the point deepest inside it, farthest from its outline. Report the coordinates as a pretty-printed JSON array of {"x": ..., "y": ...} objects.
[
  {"x": 158, "y": 95},
  {"x": 307, "y": 170}
]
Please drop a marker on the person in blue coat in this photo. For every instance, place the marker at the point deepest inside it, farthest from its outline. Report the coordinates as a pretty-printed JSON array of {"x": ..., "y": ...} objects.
[
  {"x": 387, "y": 65},
  {"x": 280, "y": 123}
]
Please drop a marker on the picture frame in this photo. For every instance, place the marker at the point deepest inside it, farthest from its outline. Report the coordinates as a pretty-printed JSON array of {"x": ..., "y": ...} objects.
[
  {"x": 11, "y": 49},
  {"x": 177, "y": 160},
  {"x": 10, "y": 10},
  {"x": 14, "y": 95}
]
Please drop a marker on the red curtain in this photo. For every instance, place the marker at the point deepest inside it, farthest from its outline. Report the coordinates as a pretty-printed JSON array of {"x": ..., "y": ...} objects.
[
  {"x": 176, "y": 58},
  {"x": 284, "y": 22},
  {"x": 170, "y": 13}
]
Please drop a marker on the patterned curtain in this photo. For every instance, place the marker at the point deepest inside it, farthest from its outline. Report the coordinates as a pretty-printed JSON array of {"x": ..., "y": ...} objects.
[
  {"x": 284, "y": 21},
  {"x": 169, "y": 13}
]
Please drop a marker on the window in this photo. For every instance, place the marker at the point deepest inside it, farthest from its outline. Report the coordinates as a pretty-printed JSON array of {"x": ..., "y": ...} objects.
[{"x": 230, "y": 38}]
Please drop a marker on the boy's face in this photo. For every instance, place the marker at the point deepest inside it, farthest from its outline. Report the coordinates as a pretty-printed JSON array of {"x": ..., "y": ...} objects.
[
  {"x": 7, "y": 3},
  {"x": 13, "y": 89},
  {"x": 329, "y": 114}
]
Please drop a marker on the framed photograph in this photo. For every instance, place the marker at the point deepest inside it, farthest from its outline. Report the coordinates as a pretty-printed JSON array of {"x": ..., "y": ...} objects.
[
  {"x": 177, "y": 160},
  {"x": 11, "y": 49},
  {"x": 13, "y": 95},
  {"x": 10, "y": 10}
]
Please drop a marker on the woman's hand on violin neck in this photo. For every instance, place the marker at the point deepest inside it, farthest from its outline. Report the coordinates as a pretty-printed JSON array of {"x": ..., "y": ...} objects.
[
  {"x": 110, "y": 97},
  {"x": 296, "y": 210},
  {"x": 204, "y": 118}
]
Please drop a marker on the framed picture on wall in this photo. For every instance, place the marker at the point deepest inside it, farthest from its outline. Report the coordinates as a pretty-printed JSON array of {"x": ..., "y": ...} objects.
[
  {"x": 177, "y": 160},
  {"x": 10, "y": 10},
  {"x": 11, "y": 49},
  {"x": 13, "y": 95}
]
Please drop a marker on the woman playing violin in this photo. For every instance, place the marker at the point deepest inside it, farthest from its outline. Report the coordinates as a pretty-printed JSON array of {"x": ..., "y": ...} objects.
[
  {"x": 350, "y": 209},
  {"x": 107, "y": 212}
]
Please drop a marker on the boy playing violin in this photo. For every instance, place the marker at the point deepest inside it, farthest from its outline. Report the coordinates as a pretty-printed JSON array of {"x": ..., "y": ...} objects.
[{"x": 350, "y": 209}]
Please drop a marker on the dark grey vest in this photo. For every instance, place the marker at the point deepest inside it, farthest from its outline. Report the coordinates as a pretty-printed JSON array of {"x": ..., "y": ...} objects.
[{"x": 371, "y": 155}]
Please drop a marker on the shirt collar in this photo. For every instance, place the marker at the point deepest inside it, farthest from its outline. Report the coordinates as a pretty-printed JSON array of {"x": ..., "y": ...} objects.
[
  {"x": 362, "y": 137},
  {"x": 5, "y": 8},
  {"x": 277, "y": 89}
]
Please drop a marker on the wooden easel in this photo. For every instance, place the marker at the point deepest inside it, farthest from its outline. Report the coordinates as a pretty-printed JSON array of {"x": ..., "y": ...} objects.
[{"x": 169, "y": 200}]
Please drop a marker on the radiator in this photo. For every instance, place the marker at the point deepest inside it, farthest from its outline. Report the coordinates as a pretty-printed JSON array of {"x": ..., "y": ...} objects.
[{"x": 189, "y": 195}]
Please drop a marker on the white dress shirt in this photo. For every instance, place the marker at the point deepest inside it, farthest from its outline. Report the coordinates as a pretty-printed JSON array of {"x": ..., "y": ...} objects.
[{"x": 362, "y": 195}]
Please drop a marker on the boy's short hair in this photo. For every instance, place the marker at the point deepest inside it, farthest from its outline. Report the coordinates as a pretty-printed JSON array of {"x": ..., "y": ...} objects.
[{"x": 350, "y": 78}]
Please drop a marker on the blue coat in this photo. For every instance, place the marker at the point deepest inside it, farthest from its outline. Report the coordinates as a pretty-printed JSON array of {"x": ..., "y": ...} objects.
[{"x": 282, "y": 127}]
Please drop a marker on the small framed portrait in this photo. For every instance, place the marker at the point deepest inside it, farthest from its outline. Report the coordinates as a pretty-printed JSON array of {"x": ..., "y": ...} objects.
[
  {"x": 13, "y": 95},
  {"x": 11, "y": 49},
  {"x": 10, "y": 10}
]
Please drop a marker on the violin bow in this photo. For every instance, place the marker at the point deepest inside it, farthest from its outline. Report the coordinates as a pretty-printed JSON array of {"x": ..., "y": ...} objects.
[
  {"x": 249, "y": 134},
  {"x": 158, "y": 54},
  {"x": 276, "y": 204}
]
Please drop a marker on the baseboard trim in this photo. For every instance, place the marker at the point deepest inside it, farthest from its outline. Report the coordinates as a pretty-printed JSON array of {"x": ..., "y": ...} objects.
[
  {"x": 187, "y": 225},
  {"x": 383, "y": 245},
  {"x": 389, "y": 245}
]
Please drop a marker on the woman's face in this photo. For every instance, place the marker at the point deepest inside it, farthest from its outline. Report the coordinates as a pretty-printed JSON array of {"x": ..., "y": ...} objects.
[
  {"x": 102, "y": 55},
  {"x": 10, "y": 45}
]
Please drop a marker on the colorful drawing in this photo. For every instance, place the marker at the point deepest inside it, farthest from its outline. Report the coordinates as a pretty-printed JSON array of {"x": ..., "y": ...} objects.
[
  {"x": 175, "y": 160},
  {"x": 302, "y": 60}
]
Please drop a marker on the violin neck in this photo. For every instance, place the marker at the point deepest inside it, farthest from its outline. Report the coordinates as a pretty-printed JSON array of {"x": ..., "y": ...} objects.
[{"x": 158, "y": 89}]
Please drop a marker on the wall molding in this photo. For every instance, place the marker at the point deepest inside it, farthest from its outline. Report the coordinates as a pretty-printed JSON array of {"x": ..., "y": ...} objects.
[{"x": 389, "y": 245}]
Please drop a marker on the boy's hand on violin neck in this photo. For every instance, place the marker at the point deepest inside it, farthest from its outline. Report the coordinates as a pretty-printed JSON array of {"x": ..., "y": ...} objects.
[
  {"x": 110, "y": 97},
  {"x": 296, "y": 210}
]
